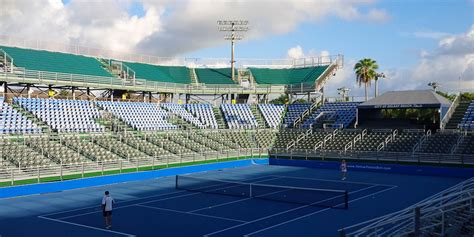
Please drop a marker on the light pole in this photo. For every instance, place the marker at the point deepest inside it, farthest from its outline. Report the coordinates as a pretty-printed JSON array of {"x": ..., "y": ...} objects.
[
  {"x": 343, "y": 91},
  {"x": 233, "y": 26},
  {"x": 377, "y": 76}
]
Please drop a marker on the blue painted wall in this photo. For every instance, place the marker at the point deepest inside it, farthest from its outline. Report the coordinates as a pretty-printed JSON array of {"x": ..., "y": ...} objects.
[
  {"x": 386, "y": 168},
  {"x": 118, "y": 178}
]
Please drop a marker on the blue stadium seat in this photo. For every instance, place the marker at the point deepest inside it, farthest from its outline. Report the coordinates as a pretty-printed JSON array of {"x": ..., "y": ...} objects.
[
  {"x": 467, "y": 122},
  {"x": 205, "y": 114},
  {"x": 63, "y": 115},
  {"x": 239, "y": 116},
  {"x": 12, "y": 122},
  {"x": 272, "y": 113},
  {"x": 344, "y": 114}
]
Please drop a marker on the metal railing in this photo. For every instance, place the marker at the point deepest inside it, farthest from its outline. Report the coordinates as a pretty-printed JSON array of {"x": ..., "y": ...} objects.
[
  {"x": 434, "y": 215},
  {"x": 373, "y": 156},
  {"x": 450, "y": 111},
  {"x": 62, "y": 171}
]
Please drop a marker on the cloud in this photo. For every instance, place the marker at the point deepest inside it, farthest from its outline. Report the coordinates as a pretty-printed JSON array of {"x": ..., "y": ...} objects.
[
  {"x": 295, "y": 52},
  {"x": 451, "y": 64},
  {"x": 430, "y": 34},
  {"x": 168, "y": 28}
]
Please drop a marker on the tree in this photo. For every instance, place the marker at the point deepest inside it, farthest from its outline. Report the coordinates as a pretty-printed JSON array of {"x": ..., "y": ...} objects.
[{"x": 365, "y": 71}]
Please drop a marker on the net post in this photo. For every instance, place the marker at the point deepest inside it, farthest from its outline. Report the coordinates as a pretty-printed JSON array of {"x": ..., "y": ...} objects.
[
  {"x": 346, "y": 200},
  {"x": 176, "y": 182},
  {"x": 342, "y": 233}
]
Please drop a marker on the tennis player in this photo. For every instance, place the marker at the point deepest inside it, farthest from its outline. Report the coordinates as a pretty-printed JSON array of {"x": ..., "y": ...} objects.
[
  {"x": 107, "y": 206},
  {"x": 344, "y": 169}
]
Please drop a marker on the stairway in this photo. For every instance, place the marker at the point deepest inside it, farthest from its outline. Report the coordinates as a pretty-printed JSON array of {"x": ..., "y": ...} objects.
[
  {"x": 221, "y": 124},
  {"x": 193, "y": 76},
  {"x": 259, "y": 116},
  {"x": 457, "y": 115}
]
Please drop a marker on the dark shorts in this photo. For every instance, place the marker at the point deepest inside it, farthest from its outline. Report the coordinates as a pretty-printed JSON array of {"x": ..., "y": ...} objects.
[{"x": 107, "y": 213}]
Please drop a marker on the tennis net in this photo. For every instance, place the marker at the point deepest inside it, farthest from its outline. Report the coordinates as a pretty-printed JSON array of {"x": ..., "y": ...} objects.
[{"x": 299, "y": 195}]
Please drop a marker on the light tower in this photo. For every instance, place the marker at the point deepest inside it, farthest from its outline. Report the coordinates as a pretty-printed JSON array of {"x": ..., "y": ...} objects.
[
  {"x": 343, "y": 91},
  {"x": 434, "y": 85},
  {"x": 233, "y": 26}
]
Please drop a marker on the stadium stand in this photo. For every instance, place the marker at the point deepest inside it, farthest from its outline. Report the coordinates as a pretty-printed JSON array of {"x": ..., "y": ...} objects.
[
  {"x": 139, "y": 115},
  {"x": 239, "y": 116},
  {"x": 13, "y": 122},
  {"x": 287, "y": 76},
  {"x": 85, "y": 146},
  {"x": 467, "y": 145},
  {"x": 181, "y": 112},
  {"x": 63, "y": 115},
  {"x": 55, "y": 151},
  {"x": 439, "y": 143},
  {"x": 204, "y": 113},
  {"x": 272, "y": 114},
  {"x": 215, "y": 75},
  {"x": 294, "y": 111},
  {"x": 404, "y": 141},
  {"x": 172, "y": 74},
  {"x": 41, "y": 60},
  {"x": 458, "y": 115},
  {"x": 340, "y": 114},
  {"x": 19, "y": 155},
  {"x": 467, "y": 122}
]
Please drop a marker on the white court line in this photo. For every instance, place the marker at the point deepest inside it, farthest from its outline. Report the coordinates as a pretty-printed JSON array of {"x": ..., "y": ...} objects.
[
  {"x": 310, "y": 214},
  {"x": 86, "y": 226},
  {"x": 135, "y": 199},
  {"x": 334, "y": 181},
  {"x": 188, "y": 213},
  {"x": 279, "y": 213},
  {"x": 141, "y": 203}
]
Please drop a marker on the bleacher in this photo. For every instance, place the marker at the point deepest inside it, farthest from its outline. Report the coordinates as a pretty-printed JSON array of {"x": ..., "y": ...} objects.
[
  {"x": 204, "y": 113},
  {"x": 171, "y": 74},
  {"x": 287, "y": 76},
  {"x": 272, "y": 114},
  {"x": 344, "y": 114},
  {"x": 467, "y": 122},
  {"x": 239, "y": 116},
  {"x": 404, "y": 141},
  {"x": 181, "y": 112},
  {"x": 215, "y": 75},
  {"x": 11, "y": 121},
  {"x": 63, "y": 115},
  {"x": 139, "y": 115},
  {"x": 439, "y": 143},
  {"x": 41, "y": 60},
  {"x": 294, "y": 111}
]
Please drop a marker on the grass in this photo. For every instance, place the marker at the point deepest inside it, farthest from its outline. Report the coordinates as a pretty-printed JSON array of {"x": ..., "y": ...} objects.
[{"x": 117, "y": 171}]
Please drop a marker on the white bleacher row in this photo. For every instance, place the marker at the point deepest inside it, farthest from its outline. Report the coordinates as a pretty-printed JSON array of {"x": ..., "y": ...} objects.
[
  {"x": 181, "y": 112},
  {"x": 139, "y": 115},
  {"x": 205, "y": 113},
  {"x": 272, "y": 113},
  {"x": 13, "y": 122},
  {"x": 63, "y": 115},
  {"x": 239, "y": 116}
]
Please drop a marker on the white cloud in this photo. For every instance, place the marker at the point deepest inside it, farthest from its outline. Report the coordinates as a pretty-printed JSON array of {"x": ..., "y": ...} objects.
[
  {"x": 167, "y": 28},
  {"x": 295, "y": 52},
  {"x": 430, "y": 34},
  {"x": 451, "y": 64}
]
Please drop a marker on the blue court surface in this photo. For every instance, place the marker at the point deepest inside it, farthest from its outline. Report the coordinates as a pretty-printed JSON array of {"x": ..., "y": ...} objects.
[{"x": 155, "y": 208}]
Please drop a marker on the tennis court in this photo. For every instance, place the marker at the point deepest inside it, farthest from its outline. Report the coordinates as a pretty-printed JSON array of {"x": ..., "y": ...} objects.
[{"x": 256, "y": 200}]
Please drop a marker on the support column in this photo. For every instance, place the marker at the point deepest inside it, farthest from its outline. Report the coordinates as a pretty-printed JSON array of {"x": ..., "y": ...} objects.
[
  {"x": 149, "y": 96},
  {"x": 28, "y": 87},
  {"x": 112, "y": 95},
  {"x": 88, "y": 92},
  {"x": 73, "y": 89},
  {"x": 144, "y": 96},
  {"x": 5, "y": 89}
]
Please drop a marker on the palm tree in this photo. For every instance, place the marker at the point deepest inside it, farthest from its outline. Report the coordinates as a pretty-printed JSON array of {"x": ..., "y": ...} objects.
[{"x": 365, "y": 72}]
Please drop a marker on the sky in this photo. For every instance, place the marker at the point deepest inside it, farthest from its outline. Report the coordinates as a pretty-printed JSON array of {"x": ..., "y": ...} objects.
[{"x": 413, "y": 41}]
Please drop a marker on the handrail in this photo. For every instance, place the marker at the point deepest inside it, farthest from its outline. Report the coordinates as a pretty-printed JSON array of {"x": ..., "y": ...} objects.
[
  {"x": 450, "y": 112},
  {"x": 458, "y": 142}
]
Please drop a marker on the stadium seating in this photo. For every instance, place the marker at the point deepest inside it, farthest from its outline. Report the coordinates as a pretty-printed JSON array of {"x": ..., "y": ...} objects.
[
  {"x": 162, "y": 140},
  {"x": 405, "y": 141},
  {"x": 372, "y": 140},
  {"x": 63, "y": 115},
  {"x": 287, "y": 76},
  {"x": 344, "y": 114},
  {"x": 286, "y": 136},
  {"x": 55, "y": 62},
  {"x": 89, "y": 149},
  {"x": 265, "y": 138},
  {"x": 181, "y": 112},
  {"x": 215, "y": 75},
  {"x": 294, "y": 111},
  {"x": 139, "y": 115},
  {"x": 173, "y": 74},
  {"x": 55, "y": 151},
  {"x": 18, "y": 154},
  {"x": 439, "y": 143},
  {"x": 467, "y": 145},
  {"x": 239, "y": 116},
  {"x": 118, "y": 146},
  {"x": 272, "y": 114},
  {"x": 467, "y": 122},
  {"x": 311, "y": 140},
  {"x": 204, "y": 113},
  {"x": 13, "y": 122}
]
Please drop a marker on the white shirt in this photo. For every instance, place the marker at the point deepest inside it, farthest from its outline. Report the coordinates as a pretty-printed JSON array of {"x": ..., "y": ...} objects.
[{"x": 108, "y": 201}]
